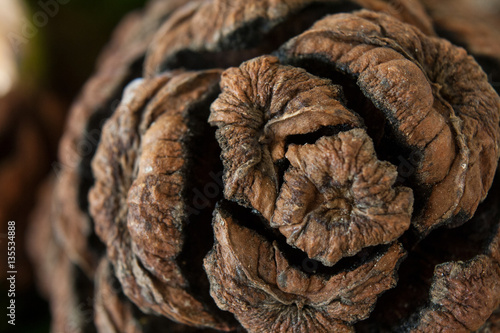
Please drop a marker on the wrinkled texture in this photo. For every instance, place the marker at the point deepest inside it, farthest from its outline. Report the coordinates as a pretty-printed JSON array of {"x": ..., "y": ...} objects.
[
  {"x": 474, "y": 25},
  {"x": 261, "y": 104},
  {"x": 100, "y": 96},
  {"x": 338, "y": 198},
  {"x": 114, "y": 313},
  {"x": 456, "y": 134},
  {"x": 334, "y": 163},
  {"x": 464, "y": 293},
  {"x": 245, "y": 29},
  {"x": 140, "y": 170},
  {"x": 251, "y": 277},
  {"x": 332, "y": 193}
]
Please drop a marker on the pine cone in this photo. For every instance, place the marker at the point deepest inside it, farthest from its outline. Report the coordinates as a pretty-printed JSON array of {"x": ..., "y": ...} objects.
[{"x": 279, "y": 166}]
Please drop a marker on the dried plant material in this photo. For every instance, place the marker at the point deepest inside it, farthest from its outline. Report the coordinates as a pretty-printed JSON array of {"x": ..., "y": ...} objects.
[
  {"x": 137, "y": 201},
  {"x": 463, "y": 295},
  {"x": 443, "y": 283},
  {"x": 119, "y": 64},
  {"x": 62, "y": 282},
  {"x": 338, "y": 198},
  {"x": 303, "y": 191},
  {"x": 240, "y": 30},
  {"x": 251, "y": 277},
  {"x": 419, "y": 84},
  {"x": 263, "y": 103},
  {"x": 114, "y": 313},
  {"x": 408, "y": 11},
  {"x": 463, "y": 288}
]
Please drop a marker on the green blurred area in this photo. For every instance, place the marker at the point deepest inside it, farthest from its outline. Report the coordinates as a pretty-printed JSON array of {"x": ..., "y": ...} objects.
[{"x": 64, "y": 50}]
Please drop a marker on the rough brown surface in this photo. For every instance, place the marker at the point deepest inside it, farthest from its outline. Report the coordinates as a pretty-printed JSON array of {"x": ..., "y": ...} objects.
[
  {"x": 244, "y": 29},
  {"x": 99, "y": 98},
  {"x": 336, "y": 197},
  {"x": 251, "y": 277},
  {"x": 463, "y": 294},
  {"x": 418, "y": 82},
  {"x": 114, "y": 313},
  {"x": 345, "y": 197},
  {"x": 261, "y": 104},
  {"x": 140, "y": 214},
  {"x": 474, "y": 25},
  {"x": 282, "y": 169}
]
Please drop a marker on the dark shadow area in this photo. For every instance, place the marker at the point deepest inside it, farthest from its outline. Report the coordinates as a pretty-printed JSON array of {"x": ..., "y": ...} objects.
[
  {"x": 441, "y": 246},
  {"x": 256, "y": 38}
]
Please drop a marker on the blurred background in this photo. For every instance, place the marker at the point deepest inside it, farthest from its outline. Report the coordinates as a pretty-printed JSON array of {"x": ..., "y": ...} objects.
[{"x": 48, "y": 49}]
